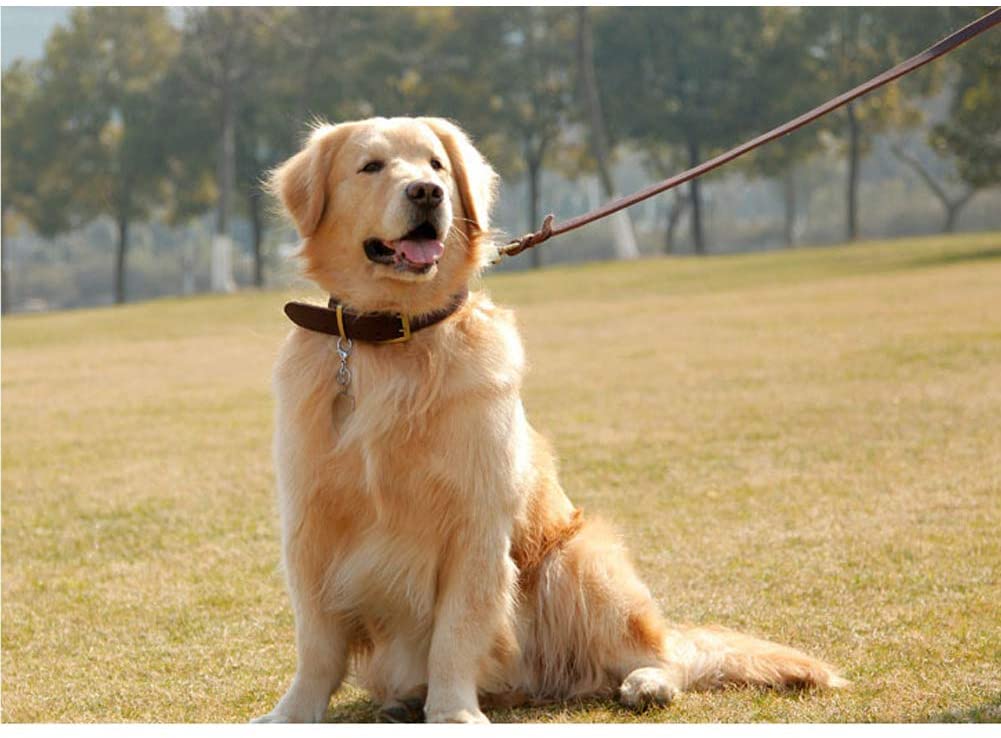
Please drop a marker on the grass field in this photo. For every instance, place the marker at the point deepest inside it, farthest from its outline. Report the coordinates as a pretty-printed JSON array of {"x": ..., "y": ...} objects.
[{"x": 805, "y": 445}]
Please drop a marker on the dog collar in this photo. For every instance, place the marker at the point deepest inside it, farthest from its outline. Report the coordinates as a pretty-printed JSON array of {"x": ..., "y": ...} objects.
[{"x": 336, "y": 320}]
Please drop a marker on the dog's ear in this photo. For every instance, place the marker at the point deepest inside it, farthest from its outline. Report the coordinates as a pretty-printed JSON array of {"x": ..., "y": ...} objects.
[
  {"x": 476, "y": 179},
  {"x": 301, "y": 182}
]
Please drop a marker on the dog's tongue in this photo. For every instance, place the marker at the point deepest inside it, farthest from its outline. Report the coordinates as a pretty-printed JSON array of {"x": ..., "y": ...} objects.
[{"x": 420, "y": 251}]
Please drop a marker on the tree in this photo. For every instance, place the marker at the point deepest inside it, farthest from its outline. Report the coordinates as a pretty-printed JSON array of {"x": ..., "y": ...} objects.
[
  {"x": 265, "y": 135},
  {"x": 940, "y": 186},
  {"x": 351, "y": 62},
  {"x": 853, "y": 44},
  {"x": 662, "y": 162},
  {"x": 220, "y": 64},
  {"x": 625, "y": 241},
  {"x": 264, "y": 139},
  {"x": 99, "y": 73},
  {"x": 971, "y": 136},
  {"x": 265, "y": 73},
  {"x": 668, "y": 79},
  {"x": 186, "y": 122},
  {"x": 784, "y": 69},
  {"x": 456, "y": 71},
  {"x": 20, "y": 160},
  {"x": 533, "y": 92},
  {"x": 307, "y": 60}
]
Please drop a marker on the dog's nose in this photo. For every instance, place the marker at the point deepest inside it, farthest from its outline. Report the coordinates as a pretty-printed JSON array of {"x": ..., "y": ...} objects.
[{"x": 427, "y": 194}]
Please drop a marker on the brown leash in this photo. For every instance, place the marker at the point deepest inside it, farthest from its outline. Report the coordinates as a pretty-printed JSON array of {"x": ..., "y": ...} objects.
[{"x": 943, "y": 47}]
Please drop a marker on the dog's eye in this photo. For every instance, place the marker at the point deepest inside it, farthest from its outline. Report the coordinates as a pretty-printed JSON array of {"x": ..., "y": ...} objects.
[
  {"x": 437, "y": 165},
  {"x": 372, "y": 167}
]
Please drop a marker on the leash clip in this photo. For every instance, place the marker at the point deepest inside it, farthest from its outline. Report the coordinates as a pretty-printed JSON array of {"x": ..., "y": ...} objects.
[
  {"x": 344, "y": 402},
  {"x": 527, "y": 241}
]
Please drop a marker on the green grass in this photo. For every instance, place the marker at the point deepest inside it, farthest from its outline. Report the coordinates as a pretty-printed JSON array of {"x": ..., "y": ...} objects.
[{"x": 805, "y": 445}]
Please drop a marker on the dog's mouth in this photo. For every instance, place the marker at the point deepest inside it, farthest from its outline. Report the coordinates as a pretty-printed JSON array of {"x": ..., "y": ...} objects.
[{"x": 417, "y": 251}]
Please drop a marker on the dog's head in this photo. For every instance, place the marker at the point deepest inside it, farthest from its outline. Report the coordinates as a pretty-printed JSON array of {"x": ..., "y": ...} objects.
[{"x": 394, "y": 213}]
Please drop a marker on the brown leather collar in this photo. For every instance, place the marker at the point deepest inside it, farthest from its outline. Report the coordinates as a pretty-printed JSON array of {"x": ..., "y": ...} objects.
[{"x": 336, "y": 320}]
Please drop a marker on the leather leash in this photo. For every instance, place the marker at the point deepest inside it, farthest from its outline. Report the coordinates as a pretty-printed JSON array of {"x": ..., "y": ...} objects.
[{"x": 943, "y": 47}]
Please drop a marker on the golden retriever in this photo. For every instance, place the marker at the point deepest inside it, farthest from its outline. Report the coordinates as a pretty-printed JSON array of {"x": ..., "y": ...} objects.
[{"x": 426, "y": 539}]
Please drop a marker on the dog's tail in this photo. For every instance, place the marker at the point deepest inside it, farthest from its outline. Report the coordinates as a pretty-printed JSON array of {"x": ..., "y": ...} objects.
[{"x": 712, "y": 656}]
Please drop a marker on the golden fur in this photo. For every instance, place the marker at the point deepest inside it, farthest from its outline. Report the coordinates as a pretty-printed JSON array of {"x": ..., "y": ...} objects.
[{"x": 426, "y": 537}]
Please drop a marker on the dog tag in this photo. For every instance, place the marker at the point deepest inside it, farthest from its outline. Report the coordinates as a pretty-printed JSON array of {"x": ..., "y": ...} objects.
[{"x": 343, "y": 406}]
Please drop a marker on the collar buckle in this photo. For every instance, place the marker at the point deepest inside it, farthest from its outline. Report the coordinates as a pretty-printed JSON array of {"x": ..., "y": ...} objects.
[{"x": 404, "y": 330}]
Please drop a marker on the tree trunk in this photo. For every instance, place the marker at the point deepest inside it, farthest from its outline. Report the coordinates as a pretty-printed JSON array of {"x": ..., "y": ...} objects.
[
  {"x": 854, "y": 151},
  {"x": 625, "y": 242},
  {"x": 120, "y": 262},
  {"x": 789, "y": 207},
  {"x": 257, "y": 229},
  {"x": 222, "y": 245},
  {"x": 674, "y": 212},
  {"x": 188, "y": 266},
  {"x": 695, "y": 194},
  {"x": 953, "y": 208},
  {"x": 534, "y": 173},
  {"x": 951, "y": 216},
  {"x": 4, "y": 249}
]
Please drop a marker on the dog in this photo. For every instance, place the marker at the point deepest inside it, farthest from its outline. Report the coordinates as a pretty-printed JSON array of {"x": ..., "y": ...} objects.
[{"x": 426, "y": 540}]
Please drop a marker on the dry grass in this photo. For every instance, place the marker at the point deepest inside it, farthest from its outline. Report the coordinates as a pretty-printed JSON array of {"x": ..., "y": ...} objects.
[{"x": 805, "y": 445}]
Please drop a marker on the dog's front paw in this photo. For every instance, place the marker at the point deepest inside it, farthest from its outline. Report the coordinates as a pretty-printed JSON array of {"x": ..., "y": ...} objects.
[
  {"x": 305, "y": 702},
  {"x": 294, "y": 709},
  {"x": 278, "y": 715},
  {"x": 463, "y": 715}
]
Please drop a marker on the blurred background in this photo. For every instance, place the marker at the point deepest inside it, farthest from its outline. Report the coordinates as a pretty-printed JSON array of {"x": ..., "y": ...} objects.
[
  {"x": 798, "y": 442},
  {"x": 134, "y": 139}
]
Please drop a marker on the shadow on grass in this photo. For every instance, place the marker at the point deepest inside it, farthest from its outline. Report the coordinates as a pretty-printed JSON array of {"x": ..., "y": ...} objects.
[
  {"x": 363, "y": 710},
  {"x": 578, "y": 710},
  {"x": 989, "y": 712},
  {"x": 597, "y": 710},
  {"x": 963, "y": 257},
  {"x": 359, "y": 710}
]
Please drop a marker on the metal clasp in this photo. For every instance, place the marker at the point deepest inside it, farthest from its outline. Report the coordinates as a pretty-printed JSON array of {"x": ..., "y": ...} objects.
[
  {"x": 344, "y": 401},
  {"x": 404, "y": 330},
  {"x": 344, "y": 372}
]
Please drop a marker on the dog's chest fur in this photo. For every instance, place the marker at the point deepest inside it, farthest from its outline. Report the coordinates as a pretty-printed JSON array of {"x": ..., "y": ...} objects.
[{"x": 376, "y": 488}]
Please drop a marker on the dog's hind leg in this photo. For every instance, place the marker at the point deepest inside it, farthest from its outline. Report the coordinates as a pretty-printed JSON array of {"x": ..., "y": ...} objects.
[
  {"x": 649, "y": 686},
  {"x": 650, "y": 681},
  {"x": 591, "y": 627},
  {"x": 594, "y": 621}
]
